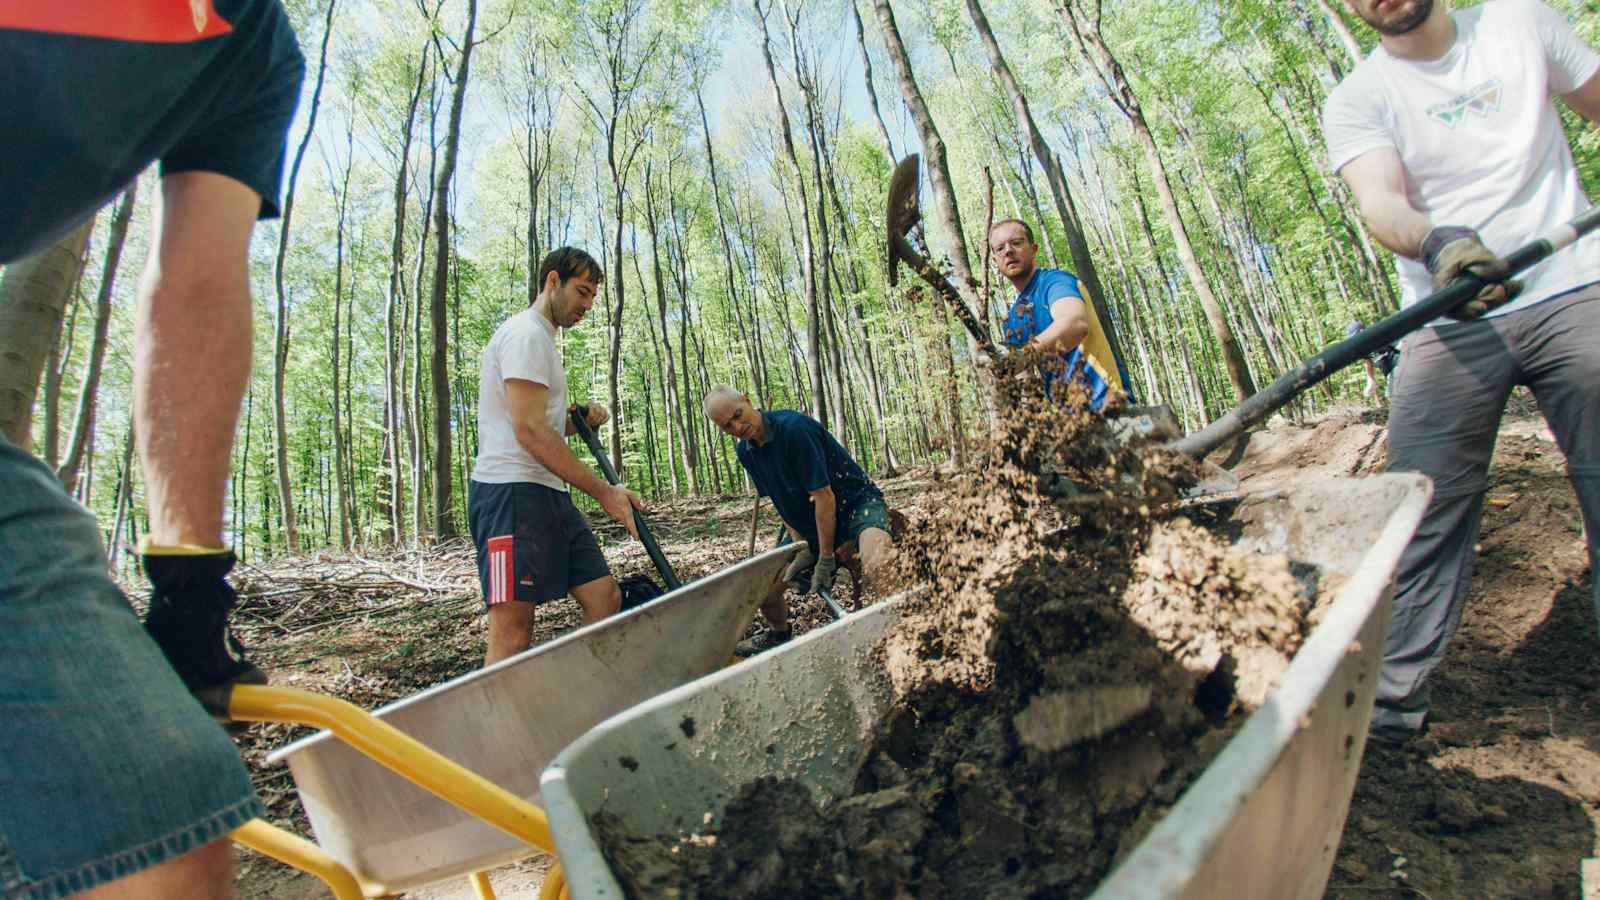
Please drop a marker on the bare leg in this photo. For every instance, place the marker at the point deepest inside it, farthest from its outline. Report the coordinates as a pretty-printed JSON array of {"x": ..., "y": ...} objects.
[
  {"x": 877, "y": 549},
  {"x": 776, "y": 608},
  {"x": 204, "y": 874},
  {"x": 510, "y": 630},
  {"x": 192, "y": 353},
  {"x": 599, "y": 598}
]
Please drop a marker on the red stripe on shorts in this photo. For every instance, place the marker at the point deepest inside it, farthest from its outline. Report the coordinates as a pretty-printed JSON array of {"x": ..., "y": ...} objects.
[{"x": 502, "y": 579}]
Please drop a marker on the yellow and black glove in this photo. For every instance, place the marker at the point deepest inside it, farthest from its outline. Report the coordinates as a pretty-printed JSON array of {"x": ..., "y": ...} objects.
[{"x": 189, "y": 604}]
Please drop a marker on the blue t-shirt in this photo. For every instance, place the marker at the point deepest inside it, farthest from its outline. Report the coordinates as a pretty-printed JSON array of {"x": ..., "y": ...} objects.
[
  {"x": 95, "y": 90},
  {"x": 1092, "y": 361},
  {"x": 799, "y": 457}
]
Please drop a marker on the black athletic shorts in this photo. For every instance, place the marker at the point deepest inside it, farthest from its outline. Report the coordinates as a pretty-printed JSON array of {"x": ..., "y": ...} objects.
[{"x": 533, "y": 544}]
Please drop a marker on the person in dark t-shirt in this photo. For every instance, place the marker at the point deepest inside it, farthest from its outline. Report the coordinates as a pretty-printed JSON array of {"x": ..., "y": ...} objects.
[
  {"x": 820, "y": 492},
  {"x": 102, "y": 727}
]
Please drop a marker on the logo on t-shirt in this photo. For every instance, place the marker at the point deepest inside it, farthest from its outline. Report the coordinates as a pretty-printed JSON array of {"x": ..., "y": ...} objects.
[{"x": 1480, "y": 101}]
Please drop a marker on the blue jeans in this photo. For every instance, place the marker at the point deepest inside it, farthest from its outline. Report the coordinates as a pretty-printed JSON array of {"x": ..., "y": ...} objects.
[{"x": 107, "y": 764}]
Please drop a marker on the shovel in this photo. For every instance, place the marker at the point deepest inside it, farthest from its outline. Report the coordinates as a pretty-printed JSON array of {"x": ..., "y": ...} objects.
[
  {"x": 577, "y": 414},
  {"x": 1381, "y": 334},
  {"x": 1155, "y": 422},
  {"x": 904, "y": 212}
]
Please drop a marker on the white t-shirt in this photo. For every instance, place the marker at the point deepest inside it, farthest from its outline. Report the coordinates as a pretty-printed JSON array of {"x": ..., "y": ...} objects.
[
  {"x": 1478, "y": 133},
  {"x": 524, "y": 346}
]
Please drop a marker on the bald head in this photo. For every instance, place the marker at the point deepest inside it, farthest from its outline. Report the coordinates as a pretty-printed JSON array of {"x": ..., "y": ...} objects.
[{"x": 733, "y": 413}]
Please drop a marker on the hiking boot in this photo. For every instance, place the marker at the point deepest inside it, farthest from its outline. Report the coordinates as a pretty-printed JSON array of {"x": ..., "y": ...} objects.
[
  {"x": 1403, "y": 739},
  {"x": 762, "y": 642},
  {"x": 188, "y": 619}
]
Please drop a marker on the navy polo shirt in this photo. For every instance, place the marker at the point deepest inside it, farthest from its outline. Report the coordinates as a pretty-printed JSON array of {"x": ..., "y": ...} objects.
[{"x": 799, "y": 457}]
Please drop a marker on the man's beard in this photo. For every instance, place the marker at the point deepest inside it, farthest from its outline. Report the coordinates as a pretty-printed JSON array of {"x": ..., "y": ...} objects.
[{"x": 1403, "y": 22}]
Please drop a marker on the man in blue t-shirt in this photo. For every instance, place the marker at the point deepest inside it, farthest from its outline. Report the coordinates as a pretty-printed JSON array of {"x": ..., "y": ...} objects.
[
  {"x": 117, "y": 781},
  {"x": 1051, "y": 314},
  {"x": 820, "y": 492}
]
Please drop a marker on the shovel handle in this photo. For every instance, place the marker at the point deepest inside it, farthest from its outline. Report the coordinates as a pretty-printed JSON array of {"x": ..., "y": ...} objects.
[
  {"x": 902, "y": 248},
  {"x": 1382, "y": 333},
  {"x": 578, "y": 413}
]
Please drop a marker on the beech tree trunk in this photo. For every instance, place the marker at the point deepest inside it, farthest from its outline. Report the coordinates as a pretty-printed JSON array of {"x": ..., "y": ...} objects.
[
  {"x": 1086, "y": 29},
  {"x": 281, "y": 332},
  {"x": 72, "y": 465},
  {"x": 444, "y": 519},
  {"x": 33, "y": 297},
  {"x": 1088, "y": 274}
]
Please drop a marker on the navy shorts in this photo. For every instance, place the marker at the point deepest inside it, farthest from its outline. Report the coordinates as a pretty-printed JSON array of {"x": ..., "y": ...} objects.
[{"x": 533, "y": 544}]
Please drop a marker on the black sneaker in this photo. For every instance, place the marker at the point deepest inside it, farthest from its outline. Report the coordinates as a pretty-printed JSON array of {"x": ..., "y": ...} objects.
[
  {"x": 762, "y": 642},
  {"x": 188, "y": 620}
]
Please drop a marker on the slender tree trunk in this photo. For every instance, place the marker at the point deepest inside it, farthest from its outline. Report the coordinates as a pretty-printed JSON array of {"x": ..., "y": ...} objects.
[
  {"x": 814, "y": 353},
  {"x": 33, "y": 297},
  {"x": 944, "y": 195},
  {"x": 88, "y": 395},
  {"x": 1347, "y": 38},
  {"x": 1091, "y": 43},
  {"x": 1082, "y": 261},
  {"x": 444, "y": 519},
  {"x": 866, "y": 72},
  {"x": 281, "y": 333},
  {"x": 394, "y": 324},
  {"x": 339, "y": 448}
]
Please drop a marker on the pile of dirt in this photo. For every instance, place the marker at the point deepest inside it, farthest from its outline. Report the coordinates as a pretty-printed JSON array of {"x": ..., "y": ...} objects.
[{"x": 1075, "y": 653}]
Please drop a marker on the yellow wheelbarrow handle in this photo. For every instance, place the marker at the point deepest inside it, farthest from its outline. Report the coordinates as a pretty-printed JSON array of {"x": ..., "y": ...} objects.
[{"x": 387, "y": 746}]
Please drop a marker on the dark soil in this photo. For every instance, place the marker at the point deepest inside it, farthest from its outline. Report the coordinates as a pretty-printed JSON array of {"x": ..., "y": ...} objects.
[
  {"x": 1517, "y": 710},
  {"x": 1055, "y": 690}
]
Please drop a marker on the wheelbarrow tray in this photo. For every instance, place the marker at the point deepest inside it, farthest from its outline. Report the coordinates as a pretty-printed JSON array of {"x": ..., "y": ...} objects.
[
  {"x": 507, "y": 721},
  {"x": 1263, "y": 820}
]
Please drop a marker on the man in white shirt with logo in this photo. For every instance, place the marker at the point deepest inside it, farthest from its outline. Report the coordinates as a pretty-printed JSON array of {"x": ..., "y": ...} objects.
[
  {"x": 1449, "y": 138},
  {"x": 533, "y": 544}
]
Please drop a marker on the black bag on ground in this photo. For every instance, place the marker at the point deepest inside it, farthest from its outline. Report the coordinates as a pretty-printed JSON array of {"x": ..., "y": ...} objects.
[{"x": 637, "y": 590}]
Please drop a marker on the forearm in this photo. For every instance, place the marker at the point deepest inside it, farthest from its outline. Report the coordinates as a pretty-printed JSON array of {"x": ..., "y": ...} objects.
[
  {"x": 1063, "y": 336},
  {"x": 826, "y": 510},
  {"x": 191, "y": 367},
  {"x": 552, "y": 452},
  {"x": 1396, "y": 224}
]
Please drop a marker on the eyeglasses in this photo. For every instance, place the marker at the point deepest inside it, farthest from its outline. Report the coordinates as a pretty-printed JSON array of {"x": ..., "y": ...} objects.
[{"x": 1014, "y": 243}]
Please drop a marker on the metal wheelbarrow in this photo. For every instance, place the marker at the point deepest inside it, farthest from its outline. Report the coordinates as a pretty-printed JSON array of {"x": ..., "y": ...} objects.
[
  {"x": 1262, "y": 821},
  {"x": 443, "y": 783}
]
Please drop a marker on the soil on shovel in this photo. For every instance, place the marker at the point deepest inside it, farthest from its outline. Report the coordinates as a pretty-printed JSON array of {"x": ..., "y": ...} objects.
[{"x": 1067, "y": 667}]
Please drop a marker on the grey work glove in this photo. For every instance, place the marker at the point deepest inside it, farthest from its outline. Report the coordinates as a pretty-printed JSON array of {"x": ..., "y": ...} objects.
[
  {"x": 796, "y": 572},
  {"x": 1450, "y": 251},
  {"x": 822, "y": 576}
]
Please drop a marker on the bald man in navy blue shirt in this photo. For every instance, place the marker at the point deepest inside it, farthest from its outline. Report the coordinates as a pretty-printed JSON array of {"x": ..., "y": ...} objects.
[{"x": 823, "y": 496}]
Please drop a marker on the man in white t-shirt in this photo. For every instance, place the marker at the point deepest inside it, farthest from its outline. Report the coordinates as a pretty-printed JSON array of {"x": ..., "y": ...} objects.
[
  {"x": 533, "y": 544},
  {"x": 1449, "y": 139}
]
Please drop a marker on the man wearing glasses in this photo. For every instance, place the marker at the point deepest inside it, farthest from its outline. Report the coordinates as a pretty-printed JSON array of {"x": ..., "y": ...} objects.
[{"x": 1051, "y": 315}]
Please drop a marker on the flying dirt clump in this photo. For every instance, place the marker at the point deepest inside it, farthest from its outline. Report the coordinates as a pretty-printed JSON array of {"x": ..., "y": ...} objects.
[{"x": 1071, "y": 652}]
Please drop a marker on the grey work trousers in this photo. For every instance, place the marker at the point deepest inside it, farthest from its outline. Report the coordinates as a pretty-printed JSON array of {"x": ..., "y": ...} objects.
[{"x": 1450, "y": 393}]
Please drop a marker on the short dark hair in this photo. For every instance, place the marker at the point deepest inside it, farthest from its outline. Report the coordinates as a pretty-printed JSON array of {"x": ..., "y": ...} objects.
[
  {"x": 569, "y": 262},
  {"x": 1025, "y": 229}
]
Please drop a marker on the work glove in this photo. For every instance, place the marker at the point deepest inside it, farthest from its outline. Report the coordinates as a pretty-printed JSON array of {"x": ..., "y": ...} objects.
[
  {"x": 1448, "y": 251},
  {"x": 822, "y": 576},
  {"x": 796, "y": 572},
  {"x": 188, "y": 619}
]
